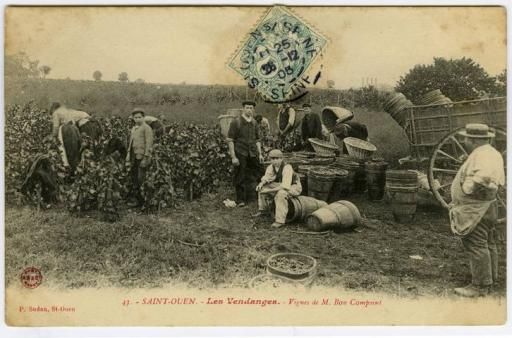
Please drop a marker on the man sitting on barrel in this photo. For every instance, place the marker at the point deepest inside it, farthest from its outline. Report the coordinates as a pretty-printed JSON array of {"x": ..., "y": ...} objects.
[{"x": 279, "y": 182}]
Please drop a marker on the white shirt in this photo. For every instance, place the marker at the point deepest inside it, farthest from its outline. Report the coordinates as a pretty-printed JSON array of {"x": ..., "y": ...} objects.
[
  {"x": 270, "y": 176},
  {"x": 63, "y": 115},
  {"x": 247, "y": 118},
  {"x": 148, "y": 119},
  {"x": 484, "y": 166}
]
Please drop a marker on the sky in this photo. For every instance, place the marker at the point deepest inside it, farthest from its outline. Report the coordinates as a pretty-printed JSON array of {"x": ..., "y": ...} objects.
[{"x": 194, "y": 44}]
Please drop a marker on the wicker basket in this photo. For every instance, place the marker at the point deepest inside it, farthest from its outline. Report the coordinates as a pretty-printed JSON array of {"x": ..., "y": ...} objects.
[
  {"x": 225, "y": 121},
  {"x": 359, "y": 148},
  {"x": 322, "y": 147}
]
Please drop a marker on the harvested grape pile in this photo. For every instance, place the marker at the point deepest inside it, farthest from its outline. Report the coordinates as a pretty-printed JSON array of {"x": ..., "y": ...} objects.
[{"x": 291, "y": 265}]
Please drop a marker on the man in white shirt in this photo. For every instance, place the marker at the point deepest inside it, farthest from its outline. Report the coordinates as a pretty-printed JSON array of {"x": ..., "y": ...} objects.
[
  {"x": 65, "y": 129},
  {"x": 473, "y": 211},
  {"x": 62, "y": 115},
  {"x": 280, "y": 183}
]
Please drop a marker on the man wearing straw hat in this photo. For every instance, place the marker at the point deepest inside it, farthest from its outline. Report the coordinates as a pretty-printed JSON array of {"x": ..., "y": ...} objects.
[
  {"x": 473, "y": 211},
  {"x": 280, "y": 183}
]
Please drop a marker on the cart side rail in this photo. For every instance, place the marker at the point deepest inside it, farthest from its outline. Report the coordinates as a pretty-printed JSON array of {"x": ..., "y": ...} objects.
[{"x": 427, "y": 124}]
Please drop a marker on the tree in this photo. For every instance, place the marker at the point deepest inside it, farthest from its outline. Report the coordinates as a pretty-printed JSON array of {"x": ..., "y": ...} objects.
[
  {"x": 330, "y": 84},
  {"x": 139, "y": 80},
  {"x": 20, "y": 65},
  {"x": 45, "y": 70},
  {"x": 123, "y": 77},
  {"x": 458, "y": 79},
  {"x": 97, "y": 75},
  {"x": 501, "y": 83}
]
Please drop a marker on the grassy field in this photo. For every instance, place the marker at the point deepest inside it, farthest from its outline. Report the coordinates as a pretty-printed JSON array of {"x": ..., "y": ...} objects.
[{"x": 203, "y": 244}]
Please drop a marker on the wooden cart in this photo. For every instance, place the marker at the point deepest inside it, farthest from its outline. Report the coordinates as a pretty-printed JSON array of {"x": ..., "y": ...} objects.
[{"x": 433, "y": 132}]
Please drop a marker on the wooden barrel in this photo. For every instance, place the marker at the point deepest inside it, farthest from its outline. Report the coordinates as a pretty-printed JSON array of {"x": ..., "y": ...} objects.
[
  {"x": 339, "y": 186},
  {"x": 375, "y": 179},
  {"x": 356, "y": 172},
  {"x": 320, "y": 181},
  {"x": 401, "y": 179},
  {"x": 337, "y": 215},
  {"x": 303, "y": 182},
  {"x": 302, "y": 206},
  {"x": 403, "y": 203}
]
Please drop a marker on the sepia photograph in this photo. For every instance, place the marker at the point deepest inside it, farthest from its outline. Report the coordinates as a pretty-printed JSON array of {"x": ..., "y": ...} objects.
[{"x": 276, "y": 165}]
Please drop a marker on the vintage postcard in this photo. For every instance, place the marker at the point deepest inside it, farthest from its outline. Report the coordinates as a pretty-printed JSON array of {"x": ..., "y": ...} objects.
[{"x": 255, "y": 165}]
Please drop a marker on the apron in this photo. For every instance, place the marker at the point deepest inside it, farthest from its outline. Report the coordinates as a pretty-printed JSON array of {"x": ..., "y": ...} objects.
[{"x": 465, "y": 212}]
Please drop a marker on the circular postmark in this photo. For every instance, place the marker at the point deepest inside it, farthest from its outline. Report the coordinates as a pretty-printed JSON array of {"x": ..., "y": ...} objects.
[
  {"x": 275, "y": 58},
  {"x": 31, "y": 277}
]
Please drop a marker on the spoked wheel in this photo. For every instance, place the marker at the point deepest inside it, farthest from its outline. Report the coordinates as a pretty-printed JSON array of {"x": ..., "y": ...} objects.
[{"x": 449, "y": 155}]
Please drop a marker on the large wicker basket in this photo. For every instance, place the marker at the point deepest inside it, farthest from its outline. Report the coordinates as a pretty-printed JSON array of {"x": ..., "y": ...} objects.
[
  {"x": 225, "y": 121},
  {"x": 322, "y": 147},
  {"x": 359, "y": 148}
]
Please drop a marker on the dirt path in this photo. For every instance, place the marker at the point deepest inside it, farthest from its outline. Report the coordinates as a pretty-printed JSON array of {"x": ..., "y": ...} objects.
[{"x": 205, "y": 244}]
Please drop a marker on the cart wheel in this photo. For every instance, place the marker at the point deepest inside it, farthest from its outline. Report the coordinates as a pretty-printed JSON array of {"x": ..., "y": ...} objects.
[{"x": 449, "y": 155}]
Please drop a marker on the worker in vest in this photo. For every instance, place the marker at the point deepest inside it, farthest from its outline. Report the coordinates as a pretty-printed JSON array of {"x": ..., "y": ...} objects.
[
  {"x": 474, "y": 211},
  {"x": 244, "y": 144},
  {"x": 279, "y": 183}
]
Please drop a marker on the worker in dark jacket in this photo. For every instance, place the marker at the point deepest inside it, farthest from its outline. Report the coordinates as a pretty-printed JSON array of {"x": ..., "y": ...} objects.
[
  {"x": 311, "y": 127},
  {"x": 348, "y": 129},
  {"x": 245, "y": 151},
  {"x": 139, "y": 153}
]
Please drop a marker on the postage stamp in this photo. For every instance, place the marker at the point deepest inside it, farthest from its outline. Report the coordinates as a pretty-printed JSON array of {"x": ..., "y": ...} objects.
[{"x": 277, "y": 54}]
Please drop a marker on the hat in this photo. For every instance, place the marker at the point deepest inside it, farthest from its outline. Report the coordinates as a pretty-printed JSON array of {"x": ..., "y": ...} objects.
[
  {"x": 249, "y": 103},
  {"x": 275, "y": 153},
  {"x": 138, "y": 110},
  {"x": 306, "y": 105},
  {"x": 477, "y": 130}
]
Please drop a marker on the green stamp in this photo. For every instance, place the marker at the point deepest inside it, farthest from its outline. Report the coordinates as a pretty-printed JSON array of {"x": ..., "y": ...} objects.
[{"x": 277, "y": 54}]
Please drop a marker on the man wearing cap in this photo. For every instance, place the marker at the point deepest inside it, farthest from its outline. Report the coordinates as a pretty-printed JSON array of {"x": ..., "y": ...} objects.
[
  {"x": 280, "y": 183},
  {"x": 138, "y": 155},
  {"x": 311, "y": 127},
  {"x": 473, "y": 210},
  {"x": 245, "y": 151}
]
